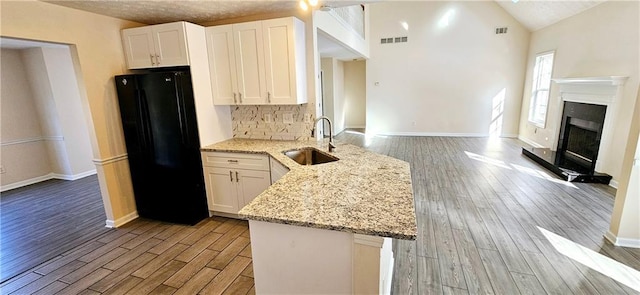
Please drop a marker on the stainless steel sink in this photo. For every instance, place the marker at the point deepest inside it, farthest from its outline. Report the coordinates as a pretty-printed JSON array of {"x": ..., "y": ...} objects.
[{"x": 310, "y": 156}]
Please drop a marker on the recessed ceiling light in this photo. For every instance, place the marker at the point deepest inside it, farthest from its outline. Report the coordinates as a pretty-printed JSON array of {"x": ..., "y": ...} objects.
[
  {"x": 313, "y": 2},
  {"x": 303, "y": 5}
]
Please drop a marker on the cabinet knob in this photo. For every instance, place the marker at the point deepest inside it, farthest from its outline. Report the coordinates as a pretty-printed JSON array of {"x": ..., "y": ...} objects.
[
  {"x": 151, "y": 57},
  {"x": 234, "y": 98},
  {"x": 157, "y": 59},
  {"x": 237, "y": 178},
  {"x": 268, "y": 97},
  {"x": 232, "y": 161},
  {"x": 240, "y": 96},
  {"x": 231, "y": 176}
]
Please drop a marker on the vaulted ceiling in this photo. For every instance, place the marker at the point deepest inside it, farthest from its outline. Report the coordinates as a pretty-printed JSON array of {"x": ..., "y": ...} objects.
[{"x": 533, "y": 14}]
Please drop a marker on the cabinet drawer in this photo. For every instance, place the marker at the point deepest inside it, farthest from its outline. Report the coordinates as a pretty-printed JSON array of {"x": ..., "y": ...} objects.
[{"x": 235, "y": 160}]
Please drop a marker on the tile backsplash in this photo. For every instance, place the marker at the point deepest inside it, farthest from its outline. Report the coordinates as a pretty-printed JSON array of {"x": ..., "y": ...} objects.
[{"x": 250, "y": 122}]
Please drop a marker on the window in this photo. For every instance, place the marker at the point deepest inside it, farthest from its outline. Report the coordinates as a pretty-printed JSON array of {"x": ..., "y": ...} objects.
[{"x": 540, "y": 89}]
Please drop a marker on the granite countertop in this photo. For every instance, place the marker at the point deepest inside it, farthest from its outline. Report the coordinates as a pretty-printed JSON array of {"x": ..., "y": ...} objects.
[{"x": 364, "y": 192}]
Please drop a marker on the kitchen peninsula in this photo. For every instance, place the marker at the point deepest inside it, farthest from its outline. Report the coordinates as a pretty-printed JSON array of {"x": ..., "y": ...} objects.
[{"x": 327, "y": 228}]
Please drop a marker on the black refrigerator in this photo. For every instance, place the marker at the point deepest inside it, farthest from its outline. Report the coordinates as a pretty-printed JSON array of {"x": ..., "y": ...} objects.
[{"x": 161, "y": 134}]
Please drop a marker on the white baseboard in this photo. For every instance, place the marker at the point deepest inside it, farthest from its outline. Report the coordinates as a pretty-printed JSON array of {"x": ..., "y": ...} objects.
[
  {"x": 530, "y": 142},
  {"x": 509, "y": 135},
  {"x": 434, "y": 134},
  {"x": 613, "y": 183},
  {"x": 622, "y": 242},
  {"x": 355, "y": 126},
  {"x": 26, "y": 182},
  {"x": 45, "y": 177},
  {"x": 74, "y": 176},
  {"x": 122, "y": 220}
]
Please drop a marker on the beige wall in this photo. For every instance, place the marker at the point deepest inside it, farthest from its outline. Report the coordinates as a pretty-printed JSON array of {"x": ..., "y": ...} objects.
[
  {"x": 24, "y": 153},
  {"x": 445, "y": 79},
  {"x": 97, "y": 54},
  {"x": 602, "y": 41},
  {"x": 355, "y": 94}
]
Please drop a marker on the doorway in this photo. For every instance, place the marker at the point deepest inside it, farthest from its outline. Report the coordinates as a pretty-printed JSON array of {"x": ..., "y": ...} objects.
[
  {"x": 50, "y": 197},
  {"x": 343, "y": 85}
]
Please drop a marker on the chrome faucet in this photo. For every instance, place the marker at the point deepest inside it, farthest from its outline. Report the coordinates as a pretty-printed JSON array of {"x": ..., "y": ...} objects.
[{"x": 331, "y": 145}]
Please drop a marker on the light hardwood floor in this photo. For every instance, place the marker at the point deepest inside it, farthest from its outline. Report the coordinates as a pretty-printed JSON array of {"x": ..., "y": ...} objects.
[{"x": 479, "y": 203}]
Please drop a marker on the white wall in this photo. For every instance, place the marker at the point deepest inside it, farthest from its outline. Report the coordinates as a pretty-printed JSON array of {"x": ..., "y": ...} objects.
[
  {"x": 327, "y": 67},
  {"x": 355, "y": 94},
  {"x": 334, "y": 93},
  {"x": 38, "y": 77},
  {"x": 64, "y": 85},
  {"x": 53, "y": 82},
  {"x": 445, "y": 79},
  {"x": 24, "y": 153},
  {"x": 601, "y": 41}
]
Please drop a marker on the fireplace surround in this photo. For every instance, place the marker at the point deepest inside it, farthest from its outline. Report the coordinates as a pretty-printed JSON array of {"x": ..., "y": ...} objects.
[{"x": 583, "y": 129}]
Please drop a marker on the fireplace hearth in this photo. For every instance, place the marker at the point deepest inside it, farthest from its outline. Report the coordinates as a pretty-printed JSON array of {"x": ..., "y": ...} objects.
[{"x": 579, "y": 140}]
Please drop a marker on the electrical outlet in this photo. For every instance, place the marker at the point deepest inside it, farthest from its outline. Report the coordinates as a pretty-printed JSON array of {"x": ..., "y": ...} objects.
[
  {"x": 287, "y": 118},
  {"x": 2, "y": 169},
  {"x": 267, "y": 118}
]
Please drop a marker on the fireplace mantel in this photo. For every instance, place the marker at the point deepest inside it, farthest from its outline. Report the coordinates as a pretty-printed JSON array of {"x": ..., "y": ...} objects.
[
  {"x": 605, "y": 90},
  {"x": 605, "y": 81}
]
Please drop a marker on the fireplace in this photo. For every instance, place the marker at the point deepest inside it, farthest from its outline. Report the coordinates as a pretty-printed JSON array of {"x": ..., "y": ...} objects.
[
  {"x": 580, "y": 134},
  {"x": 588, "y": 105}
]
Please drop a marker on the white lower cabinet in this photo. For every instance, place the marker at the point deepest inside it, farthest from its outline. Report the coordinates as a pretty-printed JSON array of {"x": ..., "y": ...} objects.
[
  {"x": 277, "y": 170},
  {"x": 234, "y": 180}
]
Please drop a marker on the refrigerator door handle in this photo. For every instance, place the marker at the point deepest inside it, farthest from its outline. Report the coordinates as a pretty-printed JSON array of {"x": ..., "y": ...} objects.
[
  {"x": 146, "y": 121},
  {"x": 182, "y": 116}
]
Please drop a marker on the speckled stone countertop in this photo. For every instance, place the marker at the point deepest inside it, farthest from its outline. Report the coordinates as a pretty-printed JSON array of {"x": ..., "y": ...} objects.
[{"x": 363, "y": 192}]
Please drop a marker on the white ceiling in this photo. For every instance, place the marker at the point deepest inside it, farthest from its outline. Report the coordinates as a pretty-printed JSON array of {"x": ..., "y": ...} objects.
[
  {"x": 537, "y": 14},
  {"x": 327, "y": 47},
  {"x": 534, "y": 14}
]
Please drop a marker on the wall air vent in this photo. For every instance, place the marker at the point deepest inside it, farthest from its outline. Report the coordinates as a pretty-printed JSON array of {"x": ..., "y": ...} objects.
[
  {"x": 394, "y": 40},
  {"x": 502, "y": 30}
]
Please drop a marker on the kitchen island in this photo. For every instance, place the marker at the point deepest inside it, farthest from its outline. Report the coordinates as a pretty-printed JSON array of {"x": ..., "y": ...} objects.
[{"x": 327, "y": 228}]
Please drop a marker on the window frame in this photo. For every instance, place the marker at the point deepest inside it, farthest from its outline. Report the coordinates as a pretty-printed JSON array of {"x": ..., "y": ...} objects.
[{"x": 536, "y": 88}]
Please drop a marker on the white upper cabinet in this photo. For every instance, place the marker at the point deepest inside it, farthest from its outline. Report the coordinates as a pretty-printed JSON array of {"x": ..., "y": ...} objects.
[
  {"x": 285, "y": 62},
  {"x": 156, "y": 46},
  {"x": 222, "y": 64},
  {"x": 250, "y": 63},
  {"x": 258, "y": 63}
]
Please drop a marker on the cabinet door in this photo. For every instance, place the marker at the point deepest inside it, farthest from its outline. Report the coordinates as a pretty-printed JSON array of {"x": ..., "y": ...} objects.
[
  {"x": 138, "y": 47},
  {"x": 250, "y": 63},
  {"x": 251, "y": 183},
  {"x": 277, "y": 170},
  {"x": 222, "y": 64},
  {"x": 280, "y": 63},
  {"x": 221, "y": 190},
  {"x": 170, "y": 45}
]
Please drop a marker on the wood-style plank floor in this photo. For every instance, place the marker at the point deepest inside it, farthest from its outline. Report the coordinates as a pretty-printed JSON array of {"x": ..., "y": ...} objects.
[
  {"x": 41, "y": 221},
  {"x": 484, "y": 215}
]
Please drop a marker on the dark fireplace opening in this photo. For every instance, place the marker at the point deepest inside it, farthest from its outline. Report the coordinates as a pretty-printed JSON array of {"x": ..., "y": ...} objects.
[
  {"x": 580, "y": 135},
  {"x": 579, "y": 141},
  {"x": 580, "y": 149}
]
